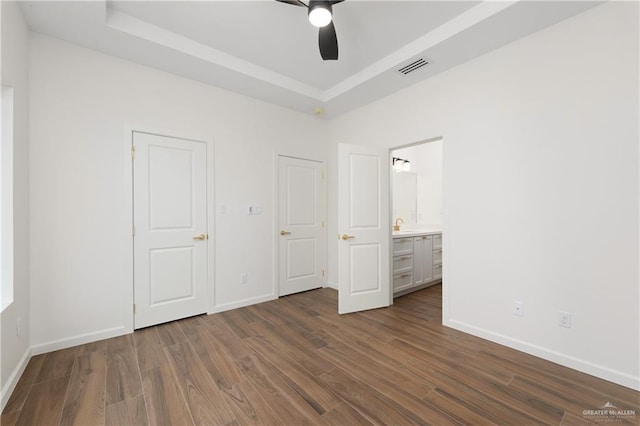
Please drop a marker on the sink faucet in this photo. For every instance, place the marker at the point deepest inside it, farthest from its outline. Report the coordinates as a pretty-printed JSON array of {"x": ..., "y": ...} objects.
[{"x": 396, "y": 227}]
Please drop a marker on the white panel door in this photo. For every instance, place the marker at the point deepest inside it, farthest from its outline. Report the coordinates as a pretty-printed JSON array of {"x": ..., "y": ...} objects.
[
  {"x": 363, "y": 223},
  {"x": 300, "y": 230},
  {"x": 170, "y": 220}
]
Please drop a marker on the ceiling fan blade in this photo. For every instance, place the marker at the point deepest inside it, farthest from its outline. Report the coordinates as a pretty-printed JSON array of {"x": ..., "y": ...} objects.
[
  {"x": 328, "y": 42},
  {"x": 336, "y": 1},
  {"x": 293, "y": 2}
]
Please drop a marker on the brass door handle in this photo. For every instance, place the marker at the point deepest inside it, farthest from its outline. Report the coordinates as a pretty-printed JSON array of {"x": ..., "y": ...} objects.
[
  {"x": 346, "y": 237},
  {"x": 284, "y": 232},
  {"x": 200, "y": 237}
]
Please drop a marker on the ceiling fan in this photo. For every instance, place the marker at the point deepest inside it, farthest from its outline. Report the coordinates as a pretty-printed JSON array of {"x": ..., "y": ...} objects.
[{"x": 320, "y": 15}]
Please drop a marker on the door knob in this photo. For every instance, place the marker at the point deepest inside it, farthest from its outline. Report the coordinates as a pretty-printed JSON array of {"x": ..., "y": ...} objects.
[
  {"x": 346, "y": 237},
  {"x": 284, "y": 232},
  {"x": 200, "y": 237}
]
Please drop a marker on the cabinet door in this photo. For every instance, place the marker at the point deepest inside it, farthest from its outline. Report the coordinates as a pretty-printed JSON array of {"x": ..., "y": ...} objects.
[
  {"x": 418, "y": 261},
  {"x": 427, "y": 258}
]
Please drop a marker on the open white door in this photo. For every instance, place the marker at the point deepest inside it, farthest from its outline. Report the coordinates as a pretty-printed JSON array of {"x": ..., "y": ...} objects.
[{"x": 363, "y": 221}]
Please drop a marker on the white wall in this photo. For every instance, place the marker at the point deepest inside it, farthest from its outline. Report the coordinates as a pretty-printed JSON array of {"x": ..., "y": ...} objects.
[
  {"x": 80, "y": 229},
  {"x": 14, "y": 349},
  {"x": 540, "y": 187}
]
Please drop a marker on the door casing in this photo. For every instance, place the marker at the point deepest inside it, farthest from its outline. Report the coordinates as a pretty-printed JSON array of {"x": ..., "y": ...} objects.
[
  {"x": 127, "y": 287},
  {"x": 276, "y": 220}
]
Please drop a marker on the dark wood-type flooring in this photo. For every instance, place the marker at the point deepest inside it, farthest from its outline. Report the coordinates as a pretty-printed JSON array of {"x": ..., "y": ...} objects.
[{"x": 295, "y": 361}]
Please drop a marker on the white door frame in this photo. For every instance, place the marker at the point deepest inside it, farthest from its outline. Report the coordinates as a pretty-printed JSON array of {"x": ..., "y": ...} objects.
[
  {"x": 276, "y": 219},
  {"x": 127, "y": 287}
]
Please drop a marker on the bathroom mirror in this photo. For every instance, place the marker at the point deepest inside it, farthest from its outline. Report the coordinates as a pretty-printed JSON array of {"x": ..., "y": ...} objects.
[{"x": 405, "y": 196}]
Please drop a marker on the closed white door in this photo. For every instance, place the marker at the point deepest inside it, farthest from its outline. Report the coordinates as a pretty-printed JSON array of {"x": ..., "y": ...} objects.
[
  {"x": 301, "y": 224},
  {"x": 363, "y": 223},
  {"x": 170, "y": 222}
]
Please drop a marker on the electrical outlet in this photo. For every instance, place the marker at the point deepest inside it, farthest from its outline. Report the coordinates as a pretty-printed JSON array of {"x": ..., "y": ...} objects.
[
  {"x": 564, "y": 319},
  {"x": 18, "y": 327},
  {"x": 244, "y": 278},
  {"x": 518, "y": 308}
]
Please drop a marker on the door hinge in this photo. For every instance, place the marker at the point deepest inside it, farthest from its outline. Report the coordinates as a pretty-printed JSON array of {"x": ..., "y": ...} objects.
[
  {"x": 323, "y": 223},
  {"x": 133, "y": 231},
  {"x": 323, "y": 272},
  {"x": 133, "y": 151},
  {"x": 134, "y": 309},
  {"x": 322, "y": 174}
]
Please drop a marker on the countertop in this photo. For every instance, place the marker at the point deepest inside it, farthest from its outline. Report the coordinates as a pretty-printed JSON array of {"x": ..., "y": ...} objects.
[{"x": 416, "y": 232}]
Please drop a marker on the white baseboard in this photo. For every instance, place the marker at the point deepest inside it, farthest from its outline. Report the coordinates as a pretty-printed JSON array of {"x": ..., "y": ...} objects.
[
  {"x": 10, "y": 386},
  {"x": 81, "y": 339},
  {"x": 331, "y": 285},
  {"x": 584, "y": 366},
  {"x": 242, "y": 303}
]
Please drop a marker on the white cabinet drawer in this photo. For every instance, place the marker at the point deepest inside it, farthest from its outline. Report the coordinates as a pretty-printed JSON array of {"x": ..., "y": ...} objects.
[
  {"x": 437, "y": 241},
  {"x": 402, "y": 263},
  {"x": 437, "y": 271},
  {"x": 437, "y": 255},
  {"x": 402, "y": 281},
  {"x": 402, "y": 245}
]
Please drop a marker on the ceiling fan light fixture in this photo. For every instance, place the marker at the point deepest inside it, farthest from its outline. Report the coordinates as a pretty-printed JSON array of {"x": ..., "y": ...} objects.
[{"x": 319, "y": 13}]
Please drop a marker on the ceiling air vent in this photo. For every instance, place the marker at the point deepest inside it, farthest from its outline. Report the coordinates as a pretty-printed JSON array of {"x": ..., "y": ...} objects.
[{"x": 413, "y": 66}]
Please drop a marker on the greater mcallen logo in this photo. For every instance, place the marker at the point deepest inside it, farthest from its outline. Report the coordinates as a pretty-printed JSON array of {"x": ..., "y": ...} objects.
[{"x": 609, "y": 413}]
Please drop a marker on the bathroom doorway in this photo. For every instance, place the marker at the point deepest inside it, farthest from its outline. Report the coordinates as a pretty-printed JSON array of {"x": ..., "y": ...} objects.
[{"x": 417, "y": 216}]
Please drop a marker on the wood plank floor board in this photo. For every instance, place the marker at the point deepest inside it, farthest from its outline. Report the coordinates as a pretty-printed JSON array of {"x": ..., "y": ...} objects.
[
  {"x": 44, "y": 403},
  {"x": 57, "y": 364},
  {"x": 128, "y": 412},
  {"x": 529, "y": 403},
  {"x": 170, "y": 333},
  {"x": 297, "y": 377},
  {"x": 164, "y": 400},
  {"x": 28, "y": 378},
  {"x": 294, "y": 348},
  {"x": 286, "y": 314},
  {"x": 10, "y": 418},
  {"x": 586, "y": 387},
  {"x": 218, "y": 362},
  {"x": 225, "y": 336},
  {"x": 400, "y": 388},
  {"x": 439, "y": 360},
  {"x": 454, "y": 410},
  {"x": 292, "y": 408},
  {"x": 377, "y": 408},
  {"x": 249, "y": 407},
  {"x": 85, "y": 399},
  {"x": 343, "y": 415},
  {"x": 576, "y": 378},
  {"x": 296, "y": 361},
  {"x": 495, "y": 409},
  {"x": 294, "y": 321},
  {"x": 206, "y": 404},
  {"x": 99, "y": 346},
  {"x": 239, "y": 323},
  {"x": 123, "y": 374},
  {"x": 149, "y": 349},
  {"x": 573, "y": 403},
  {"x": 374, "y": 373}
]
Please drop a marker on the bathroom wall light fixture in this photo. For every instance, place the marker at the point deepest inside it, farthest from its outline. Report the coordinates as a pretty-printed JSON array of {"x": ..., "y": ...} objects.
[{"x": 400, "y": 164}]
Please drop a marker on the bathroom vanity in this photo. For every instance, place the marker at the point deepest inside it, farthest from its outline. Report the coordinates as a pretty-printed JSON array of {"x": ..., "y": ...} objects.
[{"x": 417, "y": 260}]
